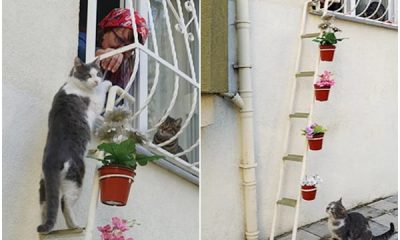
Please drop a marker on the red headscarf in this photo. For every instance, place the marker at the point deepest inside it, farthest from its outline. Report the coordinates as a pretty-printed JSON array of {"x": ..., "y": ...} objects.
[{"x": 120, "y": 17}]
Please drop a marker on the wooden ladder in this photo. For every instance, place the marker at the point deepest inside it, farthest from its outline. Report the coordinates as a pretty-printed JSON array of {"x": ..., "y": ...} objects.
[
  {"x": 293, "y": 116},
  {"x": 85, "y": 233}
]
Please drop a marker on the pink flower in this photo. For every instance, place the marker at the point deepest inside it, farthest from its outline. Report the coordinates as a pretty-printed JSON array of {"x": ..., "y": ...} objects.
[
  {"x": 325, "y": 80},
  {"x": 119, "y": 224},
  {"x": 105, "y": 229},
  {"x": 116, "y": 231}
]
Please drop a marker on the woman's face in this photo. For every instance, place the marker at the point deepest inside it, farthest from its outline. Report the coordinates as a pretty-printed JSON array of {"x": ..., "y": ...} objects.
[{"x": 116, "y": 38}]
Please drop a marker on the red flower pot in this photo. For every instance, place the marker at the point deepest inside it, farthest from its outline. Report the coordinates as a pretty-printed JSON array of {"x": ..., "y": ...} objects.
[
  {"x": 321, "y": 94},
  {"x": 308, "y": 192},
  {"x": 315, "y": 143},
  {"x": 115, "y": 184},
  {"x": 326, "y": 52}
]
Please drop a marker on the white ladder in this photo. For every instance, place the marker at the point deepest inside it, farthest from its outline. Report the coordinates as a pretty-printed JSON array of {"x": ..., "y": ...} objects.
[
  {"x": 295, "y": 158},
  {"x": 85, "y": 233}
]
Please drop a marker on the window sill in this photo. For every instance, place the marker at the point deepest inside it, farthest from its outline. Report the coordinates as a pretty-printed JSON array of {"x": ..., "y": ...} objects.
[{"x": 170, "y": 166}]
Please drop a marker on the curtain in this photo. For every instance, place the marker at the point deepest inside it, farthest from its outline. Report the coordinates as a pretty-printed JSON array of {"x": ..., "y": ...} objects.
[{"x": 165, "y": 88}]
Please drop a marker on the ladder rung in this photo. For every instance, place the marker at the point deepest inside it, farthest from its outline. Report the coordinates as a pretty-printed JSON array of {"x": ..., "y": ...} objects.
[
  {"x": 293, "y": 157},
  {"x": 287, "y": 202},
  {"x": 310, "y": 35},
  {"x": 63, "y": 233},
  {"x": 305, "y": 74},
  {"x": 299, "y": 115}
]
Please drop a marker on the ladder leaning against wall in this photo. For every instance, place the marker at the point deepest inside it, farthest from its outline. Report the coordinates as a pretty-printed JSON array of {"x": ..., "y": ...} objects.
[
  {"x": 180, "y": 16},
  {"x": 290, "y": 158}
]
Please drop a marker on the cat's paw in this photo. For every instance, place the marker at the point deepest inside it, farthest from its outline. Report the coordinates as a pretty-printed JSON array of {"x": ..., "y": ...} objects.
[
  {"x": 107, "y": 84},
  {"x": 44, "y": 228}
]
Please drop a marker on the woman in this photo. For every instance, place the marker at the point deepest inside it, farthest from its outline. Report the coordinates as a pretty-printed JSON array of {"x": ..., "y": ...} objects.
[{"x": 115, "y": 31}]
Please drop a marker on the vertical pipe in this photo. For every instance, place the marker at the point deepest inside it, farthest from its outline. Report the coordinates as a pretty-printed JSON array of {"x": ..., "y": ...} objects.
[{"x": 248, "y": 164}]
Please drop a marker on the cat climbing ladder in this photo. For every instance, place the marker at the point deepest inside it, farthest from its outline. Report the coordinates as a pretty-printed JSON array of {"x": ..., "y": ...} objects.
[{"x": 290, "y": 158}]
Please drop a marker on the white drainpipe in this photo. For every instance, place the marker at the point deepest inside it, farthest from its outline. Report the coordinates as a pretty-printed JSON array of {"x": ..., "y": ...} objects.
[{"x": 248, "y": 164}]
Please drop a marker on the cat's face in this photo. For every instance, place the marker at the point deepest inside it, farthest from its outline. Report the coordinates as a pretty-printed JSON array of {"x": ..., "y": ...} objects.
[
  {"x": 336, "y": 210},
  {"x": 169, "y": 128},
  {"x": 89, "y": 75}
]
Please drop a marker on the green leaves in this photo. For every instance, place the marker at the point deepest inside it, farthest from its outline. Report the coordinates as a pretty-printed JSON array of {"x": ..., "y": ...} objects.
[
  {"x": 319, "y": 129},
  {"x": 327, "y": 38},
  {"x": 124, "y": 154},
  {"x": 143, "y": 159}
]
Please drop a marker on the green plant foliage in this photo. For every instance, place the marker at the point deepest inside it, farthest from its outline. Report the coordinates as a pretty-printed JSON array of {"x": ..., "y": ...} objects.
[
  {"x": 124, "y": 154},
  {"x": 327, "y": 38}
]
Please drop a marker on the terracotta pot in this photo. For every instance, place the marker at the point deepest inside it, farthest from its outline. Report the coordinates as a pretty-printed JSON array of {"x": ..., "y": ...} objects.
[
  {"x": 327, "y": 52},
  {"x": 315, "y": 143},
  {"x": 115, "y": 184},
  {"x": 321, "y": 94},
  {"x": 308, "y": 192}
]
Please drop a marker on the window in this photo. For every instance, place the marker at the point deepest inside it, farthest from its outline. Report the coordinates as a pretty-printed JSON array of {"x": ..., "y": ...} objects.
[
  {"x": 165, "y": 76},
  {"x": 381, "y": 12}
]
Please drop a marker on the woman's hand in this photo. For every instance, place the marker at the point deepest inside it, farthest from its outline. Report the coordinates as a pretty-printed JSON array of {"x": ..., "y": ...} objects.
[{"x": 112, "y": 63}]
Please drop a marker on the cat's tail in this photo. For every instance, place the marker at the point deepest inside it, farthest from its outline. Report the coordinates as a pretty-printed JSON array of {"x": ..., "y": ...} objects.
[
  {"x": 52, "y": 195},
  {"x": 386, "y": 235}
]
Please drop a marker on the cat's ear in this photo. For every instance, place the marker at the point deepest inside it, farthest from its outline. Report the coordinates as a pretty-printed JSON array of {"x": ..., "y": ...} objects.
[
  {"x": 340, "y": 201},
  {"x": 77, "y": 62},
  {"x": 97, "y": 62},
  {"x": 178, "y": 122}
]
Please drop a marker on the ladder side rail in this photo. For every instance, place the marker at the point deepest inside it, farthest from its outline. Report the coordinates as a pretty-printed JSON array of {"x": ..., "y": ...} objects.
[
  {"x": 304, "y": 162},
  {"x": 291, "y": 102},
  {"x": 91, "y": 221}
]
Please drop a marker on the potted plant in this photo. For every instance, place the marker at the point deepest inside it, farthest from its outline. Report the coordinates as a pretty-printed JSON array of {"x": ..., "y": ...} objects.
[
  {"x": 323, "y": 86},
  {"x": 117, "y": 229},
  {"x": 315, "y": 136},
  {"x": 328, "y": 38},
  {"x": 309, "y": 187},
  {"x": 120, "y": 159}
]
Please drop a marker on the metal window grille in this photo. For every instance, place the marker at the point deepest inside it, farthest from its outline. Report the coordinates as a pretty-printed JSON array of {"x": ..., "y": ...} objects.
[
  {"x": 165, "y": 75},
  {"x": 381, "y": 12}
]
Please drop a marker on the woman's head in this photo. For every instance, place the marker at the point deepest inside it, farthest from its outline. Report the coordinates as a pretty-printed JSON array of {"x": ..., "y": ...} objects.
[{"x": 117, "y": 28}]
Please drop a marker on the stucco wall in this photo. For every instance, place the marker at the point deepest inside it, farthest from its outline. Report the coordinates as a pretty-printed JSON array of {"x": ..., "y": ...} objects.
[
  {"x": 359, "y": 158},
  {"x": 39, "y": 44}
]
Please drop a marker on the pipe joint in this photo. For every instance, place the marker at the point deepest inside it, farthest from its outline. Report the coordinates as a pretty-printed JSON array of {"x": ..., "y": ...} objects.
[
  {"x": 249, "y": 184},
  {"x": 235, "y": 98},
  {"x": 252, "y": 235},
  {"x": 247, "y": 166}
]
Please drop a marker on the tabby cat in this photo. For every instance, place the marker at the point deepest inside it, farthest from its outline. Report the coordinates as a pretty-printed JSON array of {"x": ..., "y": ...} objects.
[
  {"x": 351, "y": 226},
  {"x": 377, "y": 8},
  {"x": 167, "y": 130},
  {"x": 71, "y": 118}
]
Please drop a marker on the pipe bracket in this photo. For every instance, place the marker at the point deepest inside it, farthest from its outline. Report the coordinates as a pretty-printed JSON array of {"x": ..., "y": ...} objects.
[{"x": 237, "y": 66}]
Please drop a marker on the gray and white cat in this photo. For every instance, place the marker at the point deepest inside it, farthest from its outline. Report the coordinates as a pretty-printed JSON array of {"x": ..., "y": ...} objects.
[
  {"x": 167, "y": 130},
  {"x": 75, "y": 106},
  {"x": 351, "y": 226}
]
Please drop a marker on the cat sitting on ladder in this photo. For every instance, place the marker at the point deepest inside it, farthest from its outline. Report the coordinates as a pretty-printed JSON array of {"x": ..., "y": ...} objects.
[{"x": 75, "y": 107}]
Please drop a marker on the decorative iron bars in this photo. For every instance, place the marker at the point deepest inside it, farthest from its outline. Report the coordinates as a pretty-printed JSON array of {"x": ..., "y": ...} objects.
[
  {"x": 381, "y": 11},
  {"x": 164, "y": 81}
]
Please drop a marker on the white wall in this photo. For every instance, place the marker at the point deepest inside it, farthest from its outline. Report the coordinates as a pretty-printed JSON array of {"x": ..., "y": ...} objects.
[
  {"x": 39, "y": 44},
  {"x": 359, "y": 158}
]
